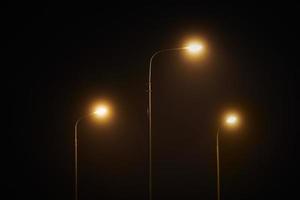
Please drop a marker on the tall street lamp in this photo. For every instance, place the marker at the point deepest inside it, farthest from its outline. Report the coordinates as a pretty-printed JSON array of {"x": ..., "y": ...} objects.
[
  {"x": 231, "y": 120},
  {"x": 102, "y": 111},
  {"x": 192, "y": 48}
]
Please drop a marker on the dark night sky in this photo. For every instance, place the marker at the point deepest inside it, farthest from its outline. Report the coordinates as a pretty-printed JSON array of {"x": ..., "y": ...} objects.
[{"x": 60, "y": 58}]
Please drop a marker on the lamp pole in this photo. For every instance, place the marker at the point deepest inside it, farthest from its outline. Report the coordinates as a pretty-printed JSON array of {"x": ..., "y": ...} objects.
[
  {"x": 76, "y": 156},
  {"x": 218, "y": 164},
  {"x": 150, "y": 113}
]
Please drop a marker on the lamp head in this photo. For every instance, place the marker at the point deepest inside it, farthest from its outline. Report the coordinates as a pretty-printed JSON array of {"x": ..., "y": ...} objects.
[
  {"x": 101, "y": 111},
  {"x": 195, "y": 47},
  {"x": 231, "y": 120}
]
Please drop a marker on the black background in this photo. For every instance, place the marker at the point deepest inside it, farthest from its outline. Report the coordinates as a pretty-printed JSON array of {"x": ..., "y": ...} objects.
[{"x": 60, "y": 58}]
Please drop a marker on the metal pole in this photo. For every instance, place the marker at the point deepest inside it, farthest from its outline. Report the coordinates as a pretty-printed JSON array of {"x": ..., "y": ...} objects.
[
  {"x": 76, "y": 156},
  {"x": 150, "y": 114},
  {"x": 75, "y": 163},
  {"x": 218, "y": 166},
  {"x": 150, "y": 127}
]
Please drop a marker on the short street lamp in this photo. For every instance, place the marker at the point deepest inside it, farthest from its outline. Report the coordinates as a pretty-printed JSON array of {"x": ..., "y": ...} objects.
[
  {"x": 101, "y": 112},
  {"x": 231, "y": 121}
]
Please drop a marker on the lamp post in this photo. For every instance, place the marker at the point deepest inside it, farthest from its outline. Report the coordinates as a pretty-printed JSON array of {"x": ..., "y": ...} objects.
[
  {"x": 193, "y": 48},
  {"x": 231, "y": 120},
  {"x": 101, "y": 112}
]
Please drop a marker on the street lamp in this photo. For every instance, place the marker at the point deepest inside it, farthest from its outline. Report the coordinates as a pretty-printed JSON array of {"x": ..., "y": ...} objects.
[
  {"x": 231, "y": 121},
  {"x": 102, "y": 111},
  {"x": 193, "y": 47}
]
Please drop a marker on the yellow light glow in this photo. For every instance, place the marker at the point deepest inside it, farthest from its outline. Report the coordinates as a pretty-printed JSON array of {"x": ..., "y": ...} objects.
[
  {"x": 101, "y": 111},
  {"x": 195, "y": 47},
  {"x": 231, "y": 119}
]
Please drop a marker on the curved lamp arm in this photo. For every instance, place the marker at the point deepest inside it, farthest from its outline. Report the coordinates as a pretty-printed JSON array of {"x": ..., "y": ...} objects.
[{"x": 159, "y": 52}]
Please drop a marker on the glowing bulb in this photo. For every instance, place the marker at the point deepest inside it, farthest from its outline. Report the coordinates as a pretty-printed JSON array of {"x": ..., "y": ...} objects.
[
  {"x": 101, "y": 111},
  {"x": 232, "y": 120},
  {"x": 195, "y": 47}
]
